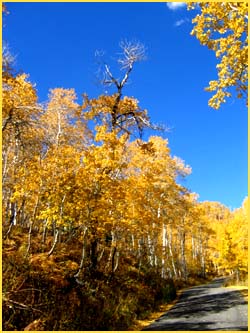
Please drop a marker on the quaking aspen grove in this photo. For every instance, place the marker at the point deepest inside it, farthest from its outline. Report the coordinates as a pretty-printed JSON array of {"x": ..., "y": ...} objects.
[{"x": 95, "y": 218}]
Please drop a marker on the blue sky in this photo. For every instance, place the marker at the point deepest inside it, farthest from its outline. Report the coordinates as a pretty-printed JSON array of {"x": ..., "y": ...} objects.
[{"x": 56, "y": 43}]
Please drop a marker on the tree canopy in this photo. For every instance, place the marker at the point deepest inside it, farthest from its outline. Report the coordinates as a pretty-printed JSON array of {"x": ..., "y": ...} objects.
[{"x": 223, "y": 28}]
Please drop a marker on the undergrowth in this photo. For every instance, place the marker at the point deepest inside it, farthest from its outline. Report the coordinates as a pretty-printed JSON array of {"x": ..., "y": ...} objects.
[
  {"x": 41, "y": 292},
  {"x": 237, "y": 279}
]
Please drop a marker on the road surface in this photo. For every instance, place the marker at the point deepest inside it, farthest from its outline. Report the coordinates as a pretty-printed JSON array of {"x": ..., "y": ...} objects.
[{"x": 208, "y": 307}]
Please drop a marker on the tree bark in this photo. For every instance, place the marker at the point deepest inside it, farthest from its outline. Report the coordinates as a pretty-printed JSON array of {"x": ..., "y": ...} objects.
[
  {"x": 83, "y": 253},
  {"x": 55, "y": 242}
]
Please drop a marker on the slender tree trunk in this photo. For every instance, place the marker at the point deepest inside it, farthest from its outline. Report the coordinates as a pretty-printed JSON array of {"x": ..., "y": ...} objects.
[
  {"x": 22, "y": 213},
  {"x": 183, "y": 254},
  {"x": 5, "y": 163},
  {"x": 55, "y": 242},
  {"x": 93, "y": 255},
  {"x": 31, "y": 226},
  {"x": 29, "y": 239},
  {"x": 151, "y": 251},
  {"x": 13, "y": 213},
  {"x": 117, "y": 255},
  {"x": 112, "y": 260},
  {"x": 139, "y": 255},
  {"x": 193, "y": 248},
  {"x": 171, "y": 253},
  {"x": 164, "y": 243},
  {"x": 83, "y": 253},
  {"x": 100, "y": 255},
  {"x": 202, "y": 254},
  {"x": 133, "y": 242},
  {"x": 12, "y": 220},
  {"x": 44, "y": 232}
]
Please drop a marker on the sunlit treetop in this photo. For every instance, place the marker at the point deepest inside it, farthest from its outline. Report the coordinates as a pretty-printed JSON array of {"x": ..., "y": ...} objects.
[{"x": 222, "y": 27}]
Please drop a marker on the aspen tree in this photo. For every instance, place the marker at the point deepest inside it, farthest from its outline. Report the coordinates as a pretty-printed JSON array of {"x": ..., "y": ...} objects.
[{"x": 222, "y": 27}]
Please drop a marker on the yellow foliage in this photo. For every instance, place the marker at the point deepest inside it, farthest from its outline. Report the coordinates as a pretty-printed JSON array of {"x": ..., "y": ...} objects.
[
  {"x": 222, "y": 27},
  {"x": 106, "y": 191}
]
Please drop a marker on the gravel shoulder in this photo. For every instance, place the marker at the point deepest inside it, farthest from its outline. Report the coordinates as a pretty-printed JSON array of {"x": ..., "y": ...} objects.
[{"x": 208, "y": 307}]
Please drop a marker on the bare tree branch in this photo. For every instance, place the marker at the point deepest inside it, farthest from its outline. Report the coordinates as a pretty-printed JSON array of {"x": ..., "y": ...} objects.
[{"x": 132, "y": 51}]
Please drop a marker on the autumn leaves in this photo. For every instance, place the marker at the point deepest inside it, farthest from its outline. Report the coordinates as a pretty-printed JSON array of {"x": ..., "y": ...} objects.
[
  {"x": 104, "y": 187},
  {"x": 117, "y": 196},
  {"x": 222, "y": 27}
]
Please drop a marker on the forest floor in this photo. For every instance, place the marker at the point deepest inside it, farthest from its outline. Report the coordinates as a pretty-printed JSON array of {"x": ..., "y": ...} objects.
[
  {"x": 40, "y": 292},
  {"x": 138, "y": 325}
]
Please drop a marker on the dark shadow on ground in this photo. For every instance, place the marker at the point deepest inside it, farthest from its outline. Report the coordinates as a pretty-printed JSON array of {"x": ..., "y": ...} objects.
[
  {"x": 183, "y": 326},
  {"x": 197, "y": 302}
]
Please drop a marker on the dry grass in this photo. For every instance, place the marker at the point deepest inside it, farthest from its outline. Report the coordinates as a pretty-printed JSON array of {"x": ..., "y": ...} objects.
[
  {"x": 138, "y": 325},
  {"x": 242, "y": 289}
]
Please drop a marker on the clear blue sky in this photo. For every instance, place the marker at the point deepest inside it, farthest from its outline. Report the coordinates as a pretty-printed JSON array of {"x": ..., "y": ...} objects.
[{"x": 56, "y": 42}]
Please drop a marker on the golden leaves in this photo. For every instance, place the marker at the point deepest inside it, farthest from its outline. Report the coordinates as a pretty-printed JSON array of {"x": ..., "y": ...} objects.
[
  {"x": 117, "y": 114},
  {"x": 65, "y": 177},
  {"x": 19, "y": 100},
  {"x": 222, "y": 27}
]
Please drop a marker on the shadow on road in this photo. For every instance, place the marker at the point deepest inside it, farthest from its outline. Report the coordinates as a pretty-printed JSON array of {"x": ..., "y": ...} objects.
[
  {"x": 183, "y": 326},
  {"x": 199, "y": 302}
]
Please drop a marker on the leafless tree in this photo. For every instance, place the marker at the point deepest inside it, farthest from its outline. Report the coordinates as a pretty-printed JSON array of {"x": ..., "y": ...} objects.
[
  {"x": 7, "y": 59},
  {"x": 131, "y": 53}
]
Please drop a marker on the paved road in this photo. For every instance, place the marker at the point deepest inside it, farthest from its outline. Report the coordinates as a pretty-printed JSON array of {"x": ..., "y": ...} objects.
[{"x": 208, "y": 307}]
